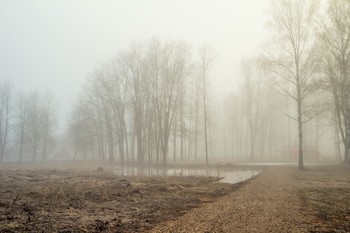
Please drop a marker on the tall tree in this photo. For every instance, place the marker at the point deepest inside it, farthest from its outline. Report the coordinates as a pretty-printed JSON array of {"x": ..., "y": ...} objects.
[
  {"x": 171, "y": 74},
  {"x": 207, "y": 56},
  {"x": 135, "y": 72},
  {"x": 293, "y": 22},
  {"x": 20, "y": 122}
]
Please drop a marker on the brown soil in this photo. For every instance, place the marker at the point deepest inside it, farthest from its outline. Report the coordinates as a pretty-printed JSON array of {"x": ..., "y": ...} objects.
[{"x": 280, "y": 199}]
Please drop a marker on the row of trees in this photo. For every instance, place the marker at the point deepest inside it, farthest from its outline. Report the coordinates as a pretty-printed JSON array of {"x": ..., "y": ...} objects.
[
  {"x": 151, "y": 101},
  {"x": 135, "y": 106},
  {"x": 27, "y": 123},
  {"x": 306, "y": 62}
]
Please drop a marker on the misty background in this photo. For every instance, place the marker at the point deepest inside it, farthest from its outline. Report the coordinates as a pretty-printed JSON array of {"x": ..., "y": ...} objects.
[
  {"x": 54, "y": 50},
  {"x": 55, "y": 44}
]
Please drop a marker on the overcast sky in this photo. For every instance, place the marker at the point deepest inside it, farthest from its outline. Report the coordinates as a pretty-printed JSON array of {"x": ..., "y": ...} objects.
[{"x": 54, "y": 44}]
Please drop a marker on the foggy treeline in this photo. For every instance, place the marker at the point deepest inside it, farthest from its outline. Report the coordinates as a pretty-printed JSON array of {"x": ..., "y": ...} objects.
[
  {"x": 142, "y": 105},
  {"x": 154, "y": 102},
  {"x": 27, "y": 123}
]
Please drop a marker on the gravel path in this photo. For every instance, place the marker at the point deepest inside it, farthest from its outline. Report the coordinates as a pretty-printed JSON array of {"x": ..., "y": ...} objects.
[{"x": 268, "y": 203}]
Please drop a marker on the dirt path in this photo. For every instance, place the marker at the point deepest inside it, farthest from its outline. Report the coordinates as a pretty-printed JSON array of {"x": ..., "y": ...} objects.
[{"x": 268, "y": 203}]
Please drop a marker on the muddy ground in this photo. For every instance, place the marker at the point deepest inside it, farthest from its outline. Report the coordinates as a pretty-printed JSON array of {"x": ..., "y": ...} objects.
[{"x": 96, "y": 201}]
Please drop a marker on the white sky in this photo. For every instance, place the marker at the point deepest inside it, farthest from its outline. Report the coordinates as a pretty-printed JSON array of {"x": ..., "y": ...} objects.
[{"x": 54, "y": 44}]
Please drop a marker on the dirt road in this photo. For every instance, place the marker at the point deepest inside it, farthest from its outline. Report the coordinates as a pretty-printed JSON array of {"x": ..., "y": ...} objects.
[{"x": 272, "y": 202}]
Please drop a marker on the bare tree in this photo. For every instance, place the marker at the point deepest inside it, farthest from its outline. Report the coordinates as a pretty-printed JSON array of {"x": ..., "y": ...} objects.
[
  {"x": 206, "y": 59},
  {"x": 34, "y": 119},
  {"x": 197, "y": 108},
  {"x": 5, "y": 115},
  {"x": 173, "y": 70},
  {"x": 20, "y": 122},
  {"x": 48, "y": 120},
  {"x": 293, "y": 22},
  {"x": 119, "y": 103},
  {"x": 82, "y": 130},
  {"x": 135, "y": 72},
  {"x": 256, "y": 87},
  {"x": 95, "y": 101}
]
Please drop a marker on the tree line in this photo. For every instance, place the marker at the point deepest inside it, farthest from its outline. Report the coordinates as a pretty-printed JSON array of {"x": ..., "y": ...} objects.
[
  {"x": 139, "y": 103},
  {"x": 27, "y": 123},
  {"x": 149, "y": 103}
]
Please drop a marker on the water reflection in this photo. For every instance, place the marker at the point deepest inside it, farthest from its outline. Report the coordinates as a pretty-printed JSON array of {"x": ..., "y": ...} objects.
[{"x": 228, "y": 176}]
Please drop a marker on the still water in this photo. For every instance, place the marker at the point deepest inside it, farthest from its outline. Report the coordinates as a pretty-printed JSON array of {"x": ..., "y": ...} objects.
[{"x": 227, "y": 176}]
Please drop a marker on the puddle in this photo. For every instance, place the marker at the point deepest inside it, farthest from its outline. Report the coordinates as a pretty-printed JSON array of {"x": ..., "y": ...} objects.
[{"x": 228, "y": 176}]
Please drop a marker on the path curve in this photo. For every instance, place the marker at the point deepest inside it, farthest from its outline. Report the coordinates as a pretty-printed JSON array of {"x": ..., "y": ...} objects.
[{"x": 268, "y": 203}]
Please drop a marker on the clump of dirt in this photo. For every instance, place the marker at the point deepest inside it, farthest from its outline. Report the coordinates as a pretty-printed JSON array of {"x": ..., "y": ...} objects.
[{"x": 97, "y": 201}]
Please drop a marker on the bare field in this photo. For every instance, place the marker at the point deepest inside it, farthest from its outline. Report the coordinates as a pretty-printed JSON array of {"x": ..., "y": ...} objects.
[
  {"x": 94, "y": 201},
  {"x": 280, "y": 199}
]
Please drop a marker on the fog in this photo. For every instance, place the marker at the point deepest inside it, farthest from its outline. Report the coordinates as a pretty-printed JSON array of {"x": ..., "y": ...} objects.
[
  {"x": 55, "y": 44},
  {"x": 58, "y": 49}
]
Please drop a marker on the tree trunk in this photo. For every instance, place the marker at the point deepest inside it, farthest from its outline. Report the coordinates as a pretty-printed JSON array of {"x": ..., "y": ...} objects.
[
  {"x": 205, "y": 120},
  {"x": 300, "y": 133}
]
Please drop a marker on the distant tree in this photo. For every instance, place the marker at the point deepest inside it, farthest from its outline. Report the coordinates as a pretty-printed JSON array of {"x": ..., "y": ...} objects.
[
  {"x": 256, "y": 89},
  {"x": 233, "y": 113},
  {"x": 5, "y": 115},
  {"x": 20, "y": 122},
  {"x": 135, "y": 73},
  {"x": 119, "y": 108},
  {"x": 207, "y": 56},
  {"x": 82, "y": 130},
  {"x": 34, "y": 122},
  {"x": 198, "y": 91},
  {"x": 49, "y": 108}
]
